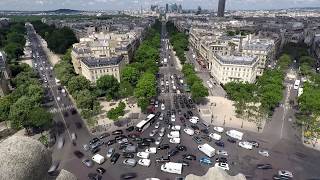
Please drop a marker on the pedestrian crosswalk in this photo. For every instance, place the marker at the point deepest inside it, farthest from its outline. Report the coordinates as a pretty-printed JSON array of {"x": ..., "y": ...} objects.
[{"x": 55, "y": 110}]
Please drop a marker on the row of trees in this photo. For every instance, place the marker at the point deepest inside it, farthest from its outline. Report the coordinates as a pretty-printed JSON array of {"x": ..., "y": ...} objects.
[
  {"x": 180, "y": 43},
  {"x": 116, "y": 112},
  {"x": 58, "y": 39},
  {"x": 255, "y": 102}
]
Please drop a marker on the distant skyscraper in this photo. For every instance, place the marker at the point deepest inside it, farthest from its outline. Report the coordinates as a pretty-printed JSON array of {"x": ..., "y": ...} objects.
[
  {"x": 221, "y": 7},
  {"x": 167, "y": 7}
]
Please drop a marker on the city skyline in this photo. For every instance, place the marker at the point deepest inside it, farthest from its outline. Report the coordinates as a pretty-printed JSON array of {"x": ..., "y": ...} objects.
[{"x": 33, "y": 5}]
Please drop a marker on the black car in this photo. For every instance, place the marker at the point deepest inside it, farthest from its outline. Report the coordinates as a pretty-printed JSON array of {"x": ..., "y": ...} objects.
[
  {"x": 162, "y": 160},
  {"x": 142, "y": 145},
  {"x": 128, "y": 176},
  {"x": 104, "y": 135},
  {"x": 205, "y": 131},
  {"x": 129, "y": 129},
  {"x": 163, "y": 146},
  {"x": 231, "y": 140},
  {"x": 150, "y": 140},
  {"x": 190, "y": 113},
  {"x": 189, "y": 157},
  {"x": 219, "y": 143},
  {"x": 172, "y": 152},
  {"x": 206, "y": 137},
  {"x": 115, "y": 158},
  {"x": 278, "y": 177},
  {"x": 117, "y": 132},
  {"x": 95, "y": 150},
  {"x": 264, "y": 166},
  {"x": 78, "y": 154},
  {"x": 133, "y": 136},
  {"x": 127, "y": 155},
  {"x": 181, "y": 148},
  {"x": 73, "y": 111},
  {"x": 94, "y": 176},
  {"x": 94, "y": 140},
  {"x": 110, "y": 142},
  {"x": 120, "y": 137},
  {"x": 138, "y": 139},
  {"x": 221, "y": 160},
  {"x": 101, "y": 170},
  {"x": 184, "y": 163},
  {"x": 197, "y": 139}
]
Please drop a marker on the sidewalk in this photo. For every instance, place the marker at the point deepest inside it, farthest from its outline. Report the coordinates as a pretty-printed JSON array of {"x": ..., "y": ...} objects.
[{"x": 220, "y": 111}]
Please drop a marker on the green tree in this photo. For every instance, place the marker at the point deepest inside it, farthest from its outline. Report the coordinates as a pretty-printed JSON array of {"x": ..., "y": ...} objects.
[
  {"x": 19, "y": 112},
  {"x": 85, "y": 99},
  {"x": 130, "y": 74},
  {"x": 35, "y": 92},
  {"x": 109, "y": 85},
  {"x": 115, "y": 113},
  {"x": 125, "y": 89},
  {"x": 198, "y": 91},
  {"x": 284, "y": 61},
  {"x": 146, "y": 86},
  {"x": 39, "y": 118},
  {"x": 78, "y": 83},
  {"x": 13, "y": 50},
  {"x": 5, "y": 104}
]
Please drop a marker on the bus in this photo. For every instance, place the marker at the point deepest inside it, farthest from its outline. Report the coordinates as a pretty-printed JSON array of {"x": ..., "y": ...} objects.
[
  {"x": 296, "y": 84},
  {"x": 144, "y": 124}
]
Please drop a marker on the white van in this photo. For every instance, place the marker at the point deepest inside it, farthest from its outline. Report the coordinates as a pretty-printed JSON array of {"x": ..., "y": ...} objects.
[
  {"x": 172, "y": 167},
  {"x": 215, "y": 136},
  {"x": 235, "y": 134},
  {"x": 98, "y": 158},
  {"x": 174, "y": 134},
  {"x": 207, "y": 150}
]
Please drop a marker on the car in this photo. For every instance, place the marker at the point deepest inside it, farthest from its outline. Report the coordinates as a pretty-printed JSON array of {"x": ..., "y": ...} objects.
[
  {"x": 222, "y": 152},
  {"x": 144, "y": 162},
  {"x": 117, "y": 132},
  {"x": 264, "y": 153},
  {"x": 264, "y": 166},
  {"x": 193, "y": 121},
  {"x": 79, "y": 154},
  {"x": 53, "y": 168},
  {"x": 209, "y": 84},
  {"x": 94, "y": 176},
  {"x": 175, "y": 140},
  {"x": 73, "y": 111},
  {"x": 173, "y": 118},
  {"x": 95, "y": 150},
  {"x": 130, "y": 162},
  {"x": 153, "y": 132},
  {"x": 184, "y": 163},
  {"x": 100, "y": 170},
  {"x": 176, "y": 128},
  {"x": 143, "y": 155},
  {"x": 205, "y": 131},
  {"x": 127, "y": 155},
  {"x": 219, "y": 143},
  {"x": 172, "y": 152},
  {"x": 221, "y": 159},
  {"x": 133, "y": 136},
  {"x": 129, "y": 129},
  {"x": 163, "y": 107},
  {"x": 231, "y": 140},
  {"x": 245, "y": 145},
  {"x": 189, "y": 131},
  {"x": 189, "y": 157},
  {"x": 104, "y": 135},
  {"x": 218, "y": 129},
  {"x": 157, "y": 125},
  {"x": 158, "y": 140},
  {"x": 114, "y": 158},
  {"x": 94, "y": 140},
  {"x": 151, "y": 150},
  {"x": 142, "y": 145},
  {"x": 110, "y": 142},
  {"x": 197, "y": 139},
  {"x": 128, "y": 176},
  {"x": 162, "y": 160},
  {"x": 181, "y": 148},
  {"x": 215, "y": 136},
  {"x": 190, "y": 113},
  {"x": 162, "y": 131},
  {"x": 205, "y": 160},
  {"x": 206, "y": 137},
  {"x": 87, "y": 162},
  {"x": 278, "y": 177},
  {"x": 221, "y": 165},
  {"x": 254, "y": 144},
  {"x": 163, "y": 146},
  {"x": 183, "y": 120},
  {"x": 60, "y": 142},
  {"x": 121, "y": 139},
  {"x": 285, "y": 173},
  {"x": 110, "y": 152},
  {"x": 150, "y": 140}
]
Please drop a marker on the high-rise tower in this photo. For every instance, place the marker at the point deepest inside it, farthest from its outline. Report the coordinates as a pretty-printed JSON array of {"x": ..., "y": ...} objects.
[{"x": 221, "y": 7}]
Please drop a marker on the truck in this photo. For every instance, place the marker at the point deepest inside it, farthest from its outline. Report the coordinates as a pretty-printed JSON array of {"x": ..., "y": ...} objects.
[
  {"x": 172, "y": 167},
  {"x": 235, "y": 134},
  {"x": 98, "y": 158},
  {"x": 207, "y": 150}
]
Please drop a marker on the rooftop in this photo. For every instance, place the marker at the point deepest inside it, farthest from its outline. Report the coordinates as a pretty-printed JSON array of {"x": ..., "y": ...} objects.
[
  {"x": 101, "y": 62},
  {"x": 238, "y": 60}
]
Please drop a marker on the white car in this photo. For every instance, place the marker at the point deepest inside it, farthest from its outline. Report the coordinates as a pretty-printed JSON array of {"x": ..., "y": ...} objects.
[
  {"x": 222, "y": 152},
  {"x": 176, "y": 128},
  {"x": 144, "y": 162},
  {"x": 158, "y": 140},
  {"x": 143, "y": 155},
  {"x": 285, "y": 173},
  {"x": 209, "y": 84},
  {"x": 193, "y": 121},
  {"x": 215, "y": 136},
  {"x": 163, "y": 107},
  {"x": 167, "y": 83},
  {"x": 189, "y": 131},
  {"x": 175, "y": 140},
  {"x": 60, "y": 142},
  {"x": 223, "y": 166},
  {"x": 173, "y": 117},
  {"x": 58, "y": 98},
  {"x": 174, "y": 134},
  {"x": 151, "y": 150},
  {"x": 162, "y": 131},
  {"x": 153, "y": 132},
  {"x": 264, "y": 153},
  {"x": 218, "y": 129},
  {"x": 245, "y": 145},
  {"x": 157, "y": 125},
  {"x": 161, "y": 117}
]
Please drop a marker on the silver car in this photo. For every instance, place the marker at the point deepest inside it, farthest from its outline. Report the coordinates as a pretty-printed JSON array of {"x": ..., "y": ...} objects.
[
  {"x": 110, "y": 152},
  {"x": 153, "y": 132},
  {"x": 130, "y": 162},
  {"x": 162, "y": 131}
]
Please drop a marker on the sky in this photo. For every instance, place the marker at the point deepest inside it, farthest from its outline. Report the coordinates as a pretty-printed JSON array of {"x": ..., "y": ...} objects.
[{"x": 136, "y": 4}]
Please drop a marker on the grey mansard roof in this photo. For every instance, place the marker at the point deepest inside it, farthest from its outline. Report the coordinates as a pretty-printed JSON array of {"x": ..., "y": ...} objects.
[{"x": 101, "y": 62}]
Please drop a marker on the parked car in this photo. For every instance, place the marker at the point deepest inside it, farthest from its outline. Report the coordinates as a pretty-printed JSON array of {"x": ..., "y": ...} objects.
[
  {"x": 152, "y": 150},
  {"x": 110, "y": 142},
  {"x": 219, "y": 143},
  {"x": 117, "y": 132},
  {"x": 128, "y": 176},
  {"x": 197, "y": 139},
  {"x": 78, "y": 154},
  {"x": 142, "y": 145},
  {"x": 189, "y": 131},
  {"x": 130, "y": 162},
  {"x": 254, "y": 144},
  {"x": 144, "y": 162},
  {"x": 87, "y": 162},
  {"x": 181, "y": 148},
  {"x": 205, "y": 160},
  {"x": 215, "y": 136},
  {"x": 176, "y": 128},
  {"x": 264, "y": 153},
  {"x": 100, "y": 170},
  {"x": 285, "y": 173},
  {"x": 162, "y": 160},
  {"x": 184, "y": 163},
  {"x": 127, "y": 155},
  {"x": 163, "y": 146},
  {"x": 189, "y": 157},
  {"x": 104, "y": 135},
  {"x": 150, "y": 140},
  {"x": 264, "y": 166},
  {"x": 143, "y": 155},
  {"x": 223, "y": 166},
  {"x": 115, "y": 158},
  {"x": 158, "y": 140},
  {"x": 162, "y": 131},
  {"x": 245, "y": 145},
  {"x": 231, "y": 140},
  {"x": 110, "y": 152},
  {"x": 94, "y": 176},
  {"x": 153, "y": 132},
  {"x": 218, "y": 129},
  {"x": 175, "y": 140},
  {"x": 94, "y": 140},
  {"x": 221, "y": 159},
  {"x": 157, "y": 125},
  {"x": 173, "y": 152},
  {"x": 222, "y": 152},
  {"x": 129, "y": 129}
]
